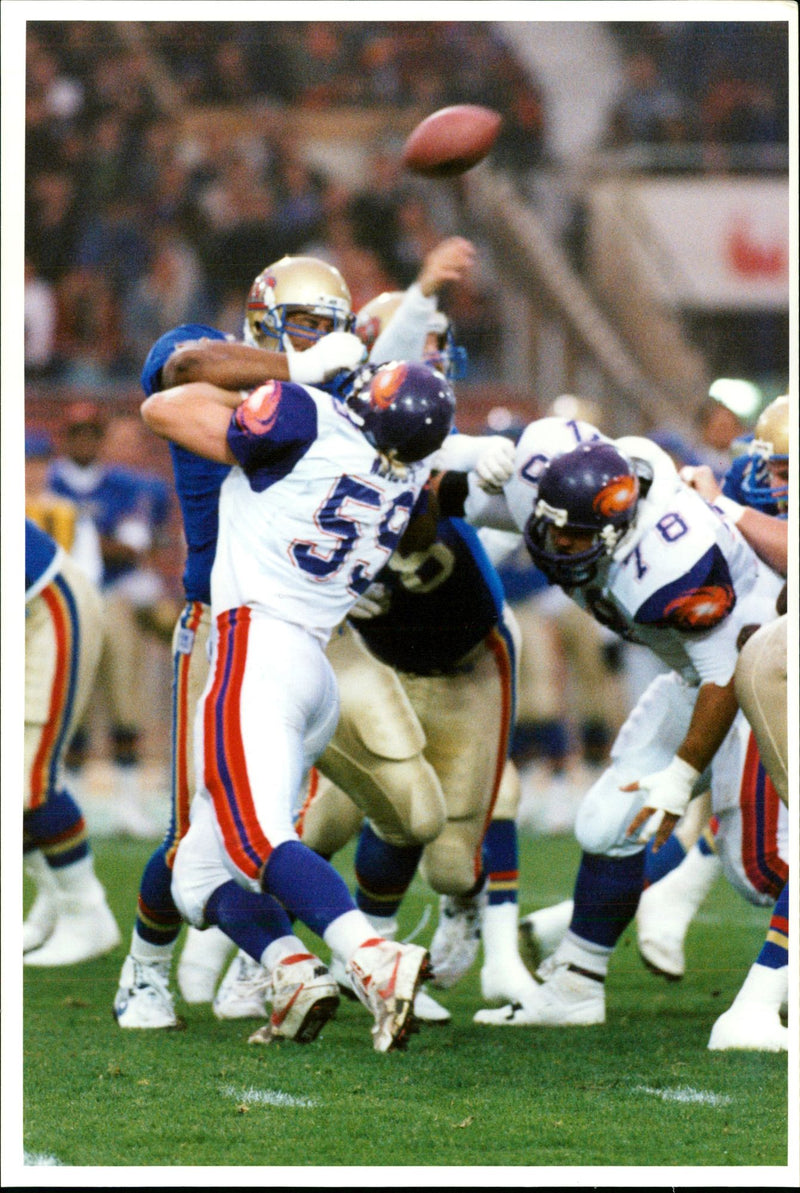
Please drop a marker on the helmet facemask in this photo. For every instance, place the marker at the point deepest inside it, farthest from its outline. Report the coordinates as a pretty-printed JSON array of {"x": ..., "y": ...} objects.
[
  {"x": 292, "y": 286},
  {"x": 765, "y": 480},
  {"x": 592, "y": 491}
]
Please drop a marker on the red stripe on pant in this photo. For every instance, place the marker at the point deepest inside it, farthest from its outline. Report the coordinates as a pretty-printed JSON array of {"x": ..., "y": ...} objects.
[
  {"x": 499, "y": 648},
  {"x": 225, "y": 765},
  {"x": 58, "y": 709},
  {"x": 760, "y": 806}
]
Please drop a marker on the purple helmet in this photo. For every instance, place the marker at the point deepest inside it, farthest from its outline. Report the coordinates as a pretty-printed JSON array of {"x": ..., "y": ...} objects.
[
  {"x": 593, "y": 489},
  {"x": 405, "y": 409}
]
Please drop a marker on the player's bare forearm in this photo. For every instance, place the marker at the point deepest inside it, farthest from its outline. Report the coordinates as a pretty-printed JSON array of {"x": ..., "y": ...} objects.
[
  {"x": 194, "y": 416},
  {"x": 768, "y": 536},
  {"x": 713, "y": 716},
  {"x": 224, "y": 363}
]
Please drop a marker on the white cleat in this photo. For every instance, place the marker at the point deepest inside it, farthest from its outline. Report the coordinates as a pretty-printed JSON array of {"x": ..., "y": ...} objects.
[
  {"x": 509, "y": 983},
  {"x": 457, "y": 938},
  {"x": 568, "y": 998},
  {"x": 666, "y": 910},
  {"x": 39, "y": 922},
  {"x": 203, "y": 958},
  {"x": 386, "y": 976},
  {"x": 82, "y": 932},
  {"x": 143, "y": 999},
  {"x": 243, "y": 991},
  {"x": 428, "y": 1010},
  {"x": 749, "y": 1026},
  {"x": 304, "y": 996},
  {"x": 541, "y": 932}
]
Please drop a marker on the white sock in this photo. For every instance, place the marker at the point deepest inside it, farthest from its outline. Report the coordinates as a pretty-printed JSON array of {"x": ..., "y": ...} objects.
[
  {"x": 764, "y": 985},
  {"x": 347, "y": 933},
  {"x": 499, "y": 923},
  {"x": 152, "y": 954},
  {"x": 78, "y": 881},
  {"x": 384, "y": 925},
  {"x": 39, "y": 870},
  {"x": 574, "y": 950}
]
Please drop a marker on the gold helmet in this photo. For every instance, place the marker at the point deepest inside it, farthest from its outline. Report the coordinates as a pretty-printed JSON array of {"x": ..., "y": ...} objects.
[
  {"x": 377, "y": 314},
  {"x": 292, "y": 284},
  {"x": 768, "y": 457}
]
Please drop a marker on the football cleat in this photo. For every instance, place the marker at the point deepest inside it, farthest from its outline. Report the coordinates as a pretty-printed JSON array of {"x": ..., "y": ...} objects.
[
  {"x": 666, "y": 910},
  {"x": 541, "y": 932},
  {"x": 304, "y": 996},
  {"x": 143, "y": 998},
  {"x": 83, "y": 931},
  {"x": 457, "y": 938},
  {"x": 39, "y": 922},
  {"x": 201, "y": 962},
  {"x": 386, "y": 976},
  {"x": 749, "y": 1026},
  {"x": 569, "y": 997},
  {"x": 426, "y": 1008},
  {"x": 243, "y": 991},
  {"x": 510, "y": 982}
]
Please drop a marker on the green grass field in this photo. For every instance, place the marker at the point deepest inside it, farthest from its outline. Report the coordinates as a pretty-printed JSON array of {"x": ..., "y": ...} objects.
[{"x": 641, "y": 1091}]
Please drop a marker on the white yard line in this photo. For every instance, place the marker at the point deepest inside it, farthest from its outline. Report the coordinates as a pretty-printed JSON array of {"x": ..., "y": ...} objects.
[
  {"x": 37, "y": 1158},
  {"x": 685, "y": 1094},
  {"x": 265, "y": 1097}
]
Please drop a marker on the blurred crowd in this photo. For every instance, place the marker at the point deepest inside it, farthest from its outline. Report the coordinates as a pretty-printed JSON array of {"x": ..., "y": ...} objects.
[
  {"x": 711, "y": 85},
  {"x": 132, "y": 225}
]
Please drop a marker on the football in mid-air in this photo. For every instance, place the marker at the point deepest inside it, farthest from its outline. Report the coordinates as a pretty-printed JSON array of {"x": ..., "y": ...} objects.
[{"x": 451, "y": 141}]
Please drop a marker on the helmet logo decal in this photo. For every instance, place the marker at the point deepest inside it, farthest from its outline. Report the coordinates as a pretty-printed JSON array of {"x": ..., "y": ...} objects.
[
  {"x": 259, "y": 410},
  {"x": 385, "y": 384},
  {"x": 617, "y": 496},
  {"x": 369, "y": 330},
  {"x": 701, "y": 608}
]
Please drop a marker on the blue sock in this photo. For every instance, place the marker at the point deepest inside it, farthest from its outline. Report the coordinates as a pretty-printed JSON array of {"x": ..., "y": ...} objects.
[
  {"x": 543, "y": 739},
  {"x": 157, "y": 919},
  {"x": 307, "y": 886},
  {"x": 383, "y": 872},
  {"x": 775, "y": 949},
  {"x": 251, "y": 919},
  {"x": 57, "y": 828},
  {"x": 501, "y": 861},
  {"x": 606, "y": 896},
  {"x": 656, "y": 865}
]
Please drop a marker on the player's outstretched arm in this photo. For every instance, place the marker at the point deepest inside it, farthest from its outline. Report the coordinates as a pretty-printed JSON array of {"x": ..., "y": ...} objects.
[
  {"x": 670, "y": 790},
  {"x": 227, "y": 363},
  {"x": 195, "y": 416}
]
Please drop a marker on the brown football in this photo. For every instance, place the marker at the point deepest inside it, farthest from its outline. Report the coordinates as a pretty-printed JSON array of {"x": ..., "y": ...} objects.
[{"x": 452, "y": 140}]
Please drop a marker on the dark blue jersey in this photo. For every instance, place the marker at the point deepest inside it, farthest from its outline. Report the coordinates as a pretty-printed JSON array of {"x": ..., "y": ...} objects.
[
  {"x": 197, "y": 481},
  {"x": 40, "y": 551},
  {"x": 443, "y": 601}
]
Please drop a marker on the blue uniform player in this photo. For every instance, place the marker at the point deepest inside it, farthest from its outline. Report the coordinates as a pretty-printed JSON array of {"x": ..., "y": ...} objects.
[
  {"x": 128, "y": 508},
  {"x": 144, "y": 999},
  {"x": 70, "y": 920}
]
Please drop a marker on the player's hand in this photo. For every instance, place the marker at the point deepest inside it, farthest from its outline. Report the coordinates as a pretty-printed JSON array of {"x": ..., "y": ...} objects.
[
  {"x": 339, "y": 350},
  {"x": 701, "y": 478},
  {"x": 495, "y": 465},
  {"x": 371, "y": 603},
  {"x": 447, "y": 262},
  {"x": 668, "y": 795}
]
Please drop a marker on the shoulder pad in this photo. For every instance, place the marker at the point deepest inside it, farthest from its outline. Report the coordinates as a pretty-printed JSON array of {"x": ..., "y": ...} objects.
[{"x": 698, "y": 601}]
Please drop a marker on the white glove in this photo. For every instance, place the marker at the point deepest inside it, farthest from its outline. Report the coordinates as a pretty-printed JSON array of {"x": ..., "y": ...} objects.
[
  {"x": 667, "y": 790},
  {"x": 331, "y": 353},
  {"x": 371, "y": 603},
  {"x": 495, "y": 465}
]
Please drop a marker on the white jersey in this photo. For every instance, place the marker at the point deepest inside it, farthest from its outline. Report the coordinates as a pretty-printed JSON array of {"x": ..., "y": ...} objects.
[
  {"x": 682, "y": 581},
  {"x": 309, "y": 517}
]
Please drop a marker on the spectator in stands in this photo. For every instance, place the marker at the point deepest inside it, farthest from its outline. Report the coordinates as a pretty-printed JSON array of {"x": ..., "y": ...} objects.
[
  {"x": 647, "y": 111},
  {"x": 40, "y": 323}
]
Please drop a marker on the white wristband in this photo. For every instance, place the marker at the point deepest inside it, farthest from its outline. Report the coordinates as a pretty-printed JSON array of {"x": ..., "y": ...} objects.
[{"x": 730, "y": 508}]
